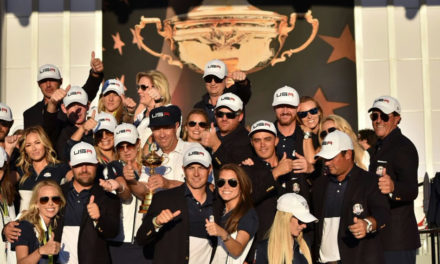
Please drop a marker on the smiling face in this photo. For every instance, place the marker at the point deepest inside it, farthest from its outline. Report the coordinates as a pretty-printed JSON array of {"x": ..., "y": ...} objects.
[
  {"x": 195, "y": 131},
  {"x": 106, "y": 140},
  {"x": 382, "y": 128},
  {"x": 285, "y": 114},
  {"x": 215, "y": 89},
  {"x": 84, "y": 174},
  {"x": 264, "y": 144},
  {"x": 127, "y": 152},
  {"x": 227, "y": 125},
  {"x": 111, "y": 102},
  {"x": 196, "y": 176},
  {"x": 165, "y": 137},
  {"x": 50, "y": 209},
  {"x": 310, "y": 121},
  {"x": 227, "y": 193},
  {"x": 34, "y": 147},
  {"x": 49, "y": 86},
  {"x": 144, "y": 97}
]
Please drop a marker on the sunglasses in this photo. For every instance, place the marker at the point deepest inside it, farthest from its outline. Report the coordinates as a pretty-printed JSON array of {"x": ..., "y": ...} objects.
[
  {"x": 201, "y": 124},
  {"x": 232, "y": 182},
  {"x": 143, "y": 87},
  {"x": 45, "y": 199},
  {"x": 4, "y": 123},
  {"x": 229, "y": 115},
  {"x": 100, "y": 134},
  {"x": 384, "y": 117},
  {"x": 209, "y": 78},
  {"x": 312, "y": 111},
  {"x": 326, "y": 132},
  {"x": 126, "y": 146}
]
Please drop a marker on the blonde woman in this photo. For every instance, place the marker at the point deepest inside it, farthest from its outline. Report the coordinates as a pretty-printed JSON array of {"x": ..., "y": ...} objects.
[
  {"x": 309, "y": 115},
  {"x": 285, "y": 243},
  {"x": 112, "y": 100},
  {"x": 335, "y": 122},
  {"x": 36, "y": 241},
  {"x": 196, "y": 123},
  {"x": 37, "y": 162}
]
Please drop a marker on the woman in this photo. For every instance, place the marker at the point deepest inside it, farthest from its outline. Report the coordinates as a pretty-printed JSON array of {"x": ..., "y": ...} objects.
[
  {"x": 153, "y": 91},
  {"x": 196, "y": 123},
  {"x": 129, "y": 164},
  {"x": 37, "y": 162},
  {"x": 112, "y": 100},
  {"x": 332, "y": 122},
  {"x": 239, "y": 221},
  {"x": 7, "y": 210},
  {"x": 104, "y": 137},
  {"x": 36, "y": 241},
  {"x": 309, "y": 115},
  {"x": 285, "y": 243}
]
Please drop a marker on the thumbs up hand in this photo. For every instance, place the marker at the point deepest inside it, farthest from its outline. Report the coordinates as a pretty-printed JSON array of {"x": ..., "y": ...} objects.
[
  {"x": 358, "y": 228},
  {"x": 55, "y": 98},
  {"x": 285, "y": 165},
  {"x": 51, "y": 247},
  {"x": 96, "y": 64},
  {"x": 90, "y": 124},
  {"x": 386, "y": 184},
  {"x": 128, "y": 173},
  {"x": 166, "y": 216},
  {"x": 93, "y": 209},
  {"x": 210, "y": 139}
]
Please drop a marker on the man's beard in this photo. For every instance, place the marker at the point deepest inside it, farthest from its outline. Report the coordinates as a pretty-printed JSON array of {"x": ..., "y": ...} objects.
[{"x": 85, "y": 182}]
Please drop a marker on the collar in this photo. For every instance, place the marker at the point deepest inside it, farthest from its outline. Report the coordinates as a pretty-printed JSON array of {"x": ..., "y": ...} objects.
[
  {"x": 395, "y": 132},
  {"x": 209, "y": 194},
  {"x": 232, "y": 134},
  {"x": 279, "y": 134},
  {"x": 335, "y": 180},
  {"x": 178, "y": 149}
]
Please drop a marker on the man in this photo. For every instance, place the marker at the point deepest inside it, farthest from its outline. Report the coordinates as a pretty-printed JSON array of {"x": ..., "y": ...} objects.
[
  {"x": 75, "y": 104},
  {"x": 6, "y": 122},
  {"x": 349, "y": 207},
  {"x": 396, "y": 161},
  {"x": 91, "y": 215},
  {"x": 285, "y": 104},
  {"x": 175, "y": 222},
  {"x": 230, "y": 144},
  {"x": 49, "y": 80},
  {"x": 215, "y": 76},
  {"x": 164, "y": 122}
]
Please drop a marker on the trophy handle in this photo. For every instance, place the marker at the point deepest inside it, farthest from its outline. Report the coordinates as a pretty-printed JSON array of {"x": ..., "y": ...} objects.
[
  {"x": 166, "y": 34},
  {"x": 284, "y": 31}
]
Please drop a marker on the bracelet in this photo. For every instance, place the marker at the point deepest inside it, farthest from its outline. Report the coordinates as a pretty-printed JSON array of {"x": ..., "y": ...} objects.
[
  {"x": 227, "y": 238},
  {"x": 156, "y": 225}
]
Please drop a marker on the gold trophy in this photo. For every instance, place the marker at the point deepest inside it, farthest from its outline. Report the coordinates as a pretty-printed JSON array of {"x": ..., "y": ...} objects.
[
  {"x": 152, "y": 160},
  {"x": 243, "y": 36}
]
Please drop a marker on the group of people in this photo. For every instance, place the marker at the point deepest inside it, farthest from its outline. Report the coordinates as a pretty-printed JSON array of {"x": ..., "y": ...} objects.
[{"x": 303, "y": 189}]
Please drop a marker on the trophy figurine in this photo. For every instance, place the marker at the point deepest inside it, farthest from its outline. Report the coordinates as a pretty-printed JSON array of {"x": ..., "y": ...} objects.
[{"x": 152, "y": 160}]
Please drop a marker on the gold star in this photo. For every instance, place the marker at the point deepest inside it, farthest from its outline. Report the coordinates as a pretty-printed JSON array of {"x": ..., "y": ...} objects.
[
  {"x": 118, "y": 43},
  {"x": 135, "y": 39},
  {"x": 343, "y": 47},
  {"x": 327, "y": 106},
  {"x": 122, "y": 80}
]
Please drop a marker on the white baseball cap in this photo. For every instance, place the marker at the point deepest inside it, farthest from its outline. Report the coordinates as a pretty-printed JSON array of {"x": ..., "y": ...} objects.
[
  {"x": 113, "y": 85},
  {"x": 126, "y": 132},
  {"x": 5, "y": 113},
  {"x": 386, "y": 104},
  {"x": 285, "y": 96},
  {"x": 334, "y": 143},
  {"x": 263, "y": 125},
  {"x": 48, "y": 71},
  {"x": 82, "y": 152},
  {"x": 197, "y": 154},
  {"x": 3, "y": 157},
  {"x": 230, "y": 101},
  {"x": 296, "y": 205},
  {"x": 105, "y": 121},
  {"x": 76, "y": 94},
  {"x": 216, "y": 68}
]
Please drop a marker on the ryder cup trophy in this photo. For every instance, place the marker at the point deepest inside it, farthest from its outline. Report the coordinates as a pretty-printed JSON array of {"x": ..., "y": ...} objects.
[{"x": 152, "y": 160}]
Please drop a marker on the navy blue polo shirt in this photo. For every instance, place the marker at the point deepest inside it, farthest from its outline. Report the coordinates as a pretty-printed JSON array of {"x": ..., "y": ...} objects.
[
  {"x": 198, "y": 212},
  {"x": 334, "y": 196},
  {"x": 56, "y": 172},
  {"x": 75, "y": 205},
  {"x": 289, "y": 143}
]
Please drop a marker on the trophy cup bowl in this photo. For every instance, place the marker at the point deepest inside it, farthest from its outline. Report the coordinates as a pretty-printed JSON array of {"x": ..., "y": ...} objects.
[
  {"x": 244, "y": 37},
  {"x": 152, "y": 160}
]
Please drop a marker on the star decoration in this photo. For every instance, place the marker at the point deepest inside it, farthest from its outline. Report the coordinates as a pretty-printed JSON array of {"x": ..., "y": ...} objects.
[
  {"x": 327, "y": 106},
  {"x": 136, "y": 40},
  {"x": 122, "y": 80},
  {"x": 118, "y": 43},
  {"x": 343, "y": 46}
]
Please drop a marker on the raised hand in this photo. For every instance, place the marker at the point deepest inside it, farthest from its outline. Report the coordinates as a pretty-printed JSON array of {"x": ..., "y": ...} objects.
[
  {"x": 90, "y": 124},
  {"x": 129, "y": 104},
  {"x": 215, "y": 230},
  {"x": 301, "y": 165},
  {"x": 58, "y": 95},
  {"x": 157, "y": 181},
  {"x": 109, "y": 185},
  {"x": 51, "y": 247},
  {"x": 128, "y": 172},
  {"x": 237, "y": 76},
  {"x": 93, "y": 209},
  {"x": 358, "y": 228},
  {"x": 285, "y": 165},
  {"x": 166, "y": 216},
  {"x": 96, "y": 64},
  {"x": 386, "y": 184},
  {"x": 210, "y": 138}
]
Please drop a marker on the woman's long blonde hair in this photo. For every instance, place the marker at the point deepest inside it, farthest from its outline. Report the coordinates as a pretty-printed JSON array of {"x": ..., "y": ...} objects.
[
  {"x": 280, "y": 244},
  {"x": 118, "y": 113},
  {"x": 24, "y": 161},
  {"x": 32, "y": 215},
  {"x": 342, "y": 125}
]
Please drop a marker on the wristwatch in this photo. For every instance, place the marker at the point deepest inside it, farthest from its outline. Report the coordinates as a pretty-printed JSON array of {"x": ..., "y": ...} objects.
[
  {"x": 369, "y": 226},
  {"x": 307, "y": 135}
]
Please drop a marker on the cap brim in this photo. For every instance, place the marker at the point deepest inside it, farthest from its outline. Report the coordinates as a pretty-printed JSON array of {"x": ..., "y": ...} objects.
[
  {"x": 306, "y": 217},
  {"x": 261, "y": 130},
  {"x": 380, "y": 109},
  {"x": 327, "y": 154},
  {"x": 83, "y": 162},
  {"x": 203, "y": 163}
]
